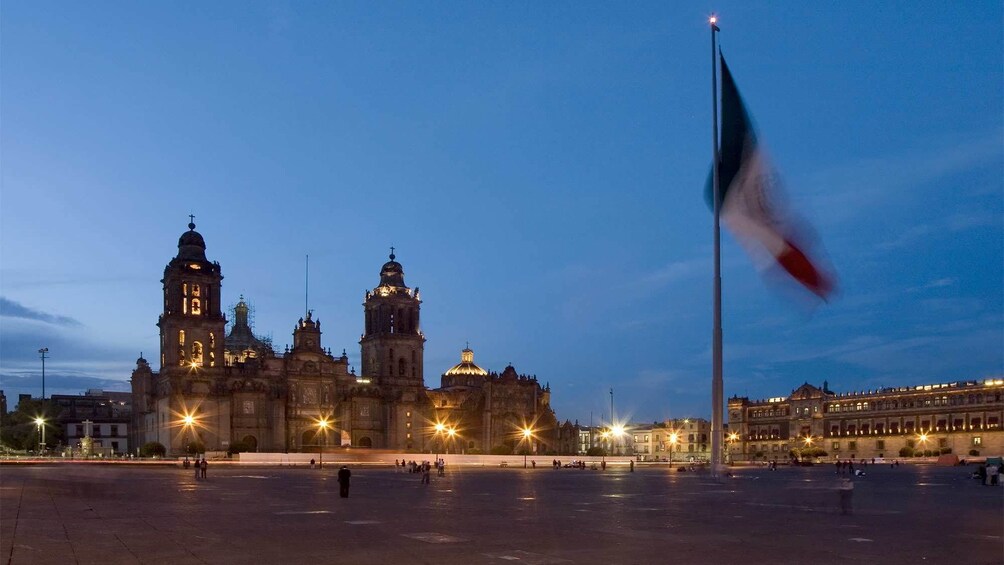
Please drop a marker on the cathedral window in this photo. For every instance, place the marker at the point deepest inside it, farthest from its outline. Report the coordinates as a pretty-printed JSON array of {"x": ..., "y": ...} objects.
[
  {"x": 196, "y": 291},
  {"x": 184, "y": 305},
  {"x": 197, "y": 352},
  {"x": 212, "y": 340},
  {"x": 196, "y": 307},
  {"x": 181, "y": 337},
  {"x": 212, "y": 359},
  {"x": 181, "y": 356}
]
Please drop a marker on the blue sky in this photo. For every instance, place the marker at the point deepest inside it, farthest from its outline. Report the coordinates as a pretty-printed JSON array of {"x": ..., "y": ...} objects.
[{"x": 539, "y": 169}]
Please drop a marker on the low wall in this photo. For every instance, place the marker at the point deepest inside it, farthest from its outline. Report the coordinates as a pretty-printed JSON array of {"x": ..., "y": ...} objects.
[{"x": 369, "y": 457}]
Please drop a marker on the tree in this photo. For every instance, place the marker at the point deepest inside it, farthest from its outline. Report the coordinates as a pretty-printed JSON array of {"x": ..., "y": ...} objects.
[
  {"x": 196, "y": 447},
  {"x": 237, "y": 447},
  {"x": 20, "y": 430},
  {"x": 906, "y": 451},
  {"x": 153, "y": 449}
]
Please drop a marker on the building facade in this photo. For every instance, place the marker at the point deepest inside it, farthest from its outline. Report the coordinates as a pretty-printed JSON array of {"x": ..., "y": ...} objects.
[
  {"x": 229, "y": 391},
  {"x": 962, "y": 418},
  {"x": 96, "y": 422}
]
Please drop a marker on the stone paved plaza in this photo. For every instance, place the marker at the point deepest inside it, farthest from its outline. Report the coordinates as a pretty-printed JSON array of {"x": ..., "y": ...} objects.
[{"x": 108, "y": 514}]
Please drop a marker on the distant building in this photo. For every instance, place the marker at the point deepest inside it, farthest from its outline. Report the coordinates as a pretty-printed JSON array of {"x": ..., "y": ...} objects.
[
  {"x": 107, "y": 415},
  {"x": 963, "y": 418},
  {"x": 221, "y": 390},
  {"x": 687, "y": 438}
]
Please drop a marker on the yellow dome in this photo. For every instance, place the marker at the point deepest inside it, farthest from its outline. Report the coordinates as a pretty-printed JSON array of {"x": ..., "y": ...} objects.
[{"x": 466, "y": 366}]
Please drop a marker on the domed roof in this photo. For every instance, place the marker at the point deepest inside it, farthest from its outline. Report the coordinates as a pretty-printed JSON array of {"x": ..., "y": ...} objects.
[
  {"x": 466, "y": 365},
  {"x": 392, "y": 273},
  {"x": 191, "y": 245}
]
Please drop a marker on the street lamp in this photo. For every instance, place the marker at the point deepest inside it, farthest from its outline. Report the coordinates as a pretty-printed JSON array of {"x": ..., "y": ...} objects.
[
  {"x": 527, "y": 434},
  {"x": 41, "y": 353},
  {"x": 673, "y": 438},
  {"x": 40, "y": 424},
  {"x": 440, "y": 428},
  {"x": 322, "y": 428},
  {"x": 616, "y": 431},
  {"x": 605, "y": 435},
  {"x": 187, "y": 422},
  {"x": 733, "y": 437}
]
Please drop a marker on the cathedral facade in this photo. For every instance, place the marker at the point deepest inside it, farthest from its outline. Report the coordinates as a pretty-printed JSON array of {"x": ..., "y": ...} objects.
[{"x": 224, "y": 390}]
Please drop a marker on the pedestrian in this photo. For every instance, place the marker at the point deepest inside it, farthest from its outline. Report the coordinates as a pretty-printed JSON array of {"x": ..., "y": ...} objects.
[
  {"x": 632, "y": 465},
  {"x": 994, "y": 471},
  {"x": 343, "y": 481},
  {"x": 850, "y": 467},
  {"x": 311, "y": 463},
  {"x": 846, "y": 490},
  {"x": 198, "y": 469},
  {"x": 533, "y": 464},
  {"x": 838, "y": 464},
  {"x": 205, "y": 465},
  {"x": 425, "y": 473},
  {"x": 982, "y": 474}
]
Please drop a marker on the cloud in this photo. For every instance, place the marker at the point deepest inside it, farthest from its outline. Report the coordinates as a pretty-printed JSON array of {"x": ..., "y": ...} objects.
[
  {"x": 841, "y": 193},
  {"x": 12, "y": 309},
  {"x": 937, "y": 283}
]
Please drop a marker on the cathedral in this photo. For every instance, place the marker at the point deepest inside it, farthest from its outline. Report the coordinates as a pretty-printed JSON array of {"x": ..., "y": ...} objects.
[{"x": 233, "y": 391}]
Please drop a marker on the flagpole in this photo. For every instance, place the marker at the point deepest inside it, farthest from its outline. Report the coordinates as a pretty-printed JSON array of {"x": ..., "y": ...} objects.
[{"x": 716, "y": 339}]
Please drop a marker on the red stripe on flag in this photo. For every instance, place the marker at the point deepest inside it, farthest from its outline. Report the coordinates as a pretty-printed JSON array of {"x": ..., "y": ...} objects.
[{"x": 799, "y": 267}]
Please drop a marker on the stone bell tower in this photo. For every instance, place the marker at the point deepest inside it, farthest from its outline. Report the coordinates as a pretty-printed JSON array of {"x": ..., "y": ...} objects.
[
  {"x": 392, "y": 348},
  {"x": 192, "y": 325}
]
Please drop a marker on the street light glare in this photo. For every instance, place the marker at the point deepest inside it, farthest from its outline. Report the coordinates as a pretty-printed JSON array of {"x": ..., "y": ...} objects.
[
  {"x": 440, "y": 427},
  {"x": 527, "y": 432},
  {"x": 189, "y": 419},
  {"x": 713, "y": 19},
  {"x": 39, "y": 421},
  {"x": 618, "y": 430}
]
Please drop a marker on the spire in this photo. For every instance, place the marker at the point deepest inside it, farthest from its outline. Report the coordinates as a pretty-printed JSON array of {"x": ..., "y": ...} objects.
[
  {"x": 191, "y": 222},
  {"x": 392, "y": 257}
]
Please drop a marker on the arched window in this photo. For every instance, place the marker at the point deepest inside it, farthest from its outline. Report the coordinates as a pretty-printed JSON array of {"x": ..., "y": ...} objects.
[
  {"x": 197, "y": 352},
  {"x": 181, "y": 337},
  {"x": 195, "y": 290},
  {"x": 401, "y": 367},
  {"x": 196, "y": 307}
]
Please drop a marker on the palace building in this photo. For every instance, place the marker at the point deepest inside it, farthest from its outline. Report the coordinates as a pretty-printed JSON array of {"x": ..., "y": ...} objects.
[
  {"x": 962, "y": 418},
  {"x": 224, "y": 390}
]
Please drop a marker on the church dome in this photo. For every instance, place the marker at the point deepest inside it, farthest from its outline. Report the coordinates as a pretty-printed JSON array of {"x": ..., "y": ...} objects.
[
  {"x": 191, "y": 245},
  {"x": 392, "y": 273},
  {"x": 466, "y": 366}
]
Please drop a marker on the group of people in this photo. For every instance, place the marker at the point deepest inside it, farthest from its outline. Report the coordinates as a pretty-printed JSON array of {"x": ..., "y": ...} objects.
[
  {"x": 200, "y": 466},
  {"x": 848, "y": 466},
  {"x": 423, "y": 468},
  {"x": 989, "y": 474}
]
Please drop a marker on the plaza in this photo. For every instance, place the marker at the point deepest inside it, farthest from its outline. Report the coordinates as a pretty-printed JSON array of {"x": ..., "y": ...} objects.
[{"x": 81, "y": 513}]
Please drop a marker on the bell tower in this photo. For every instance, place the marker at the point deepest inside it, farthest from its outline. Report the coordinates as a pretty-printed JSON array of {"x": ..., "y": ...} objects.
[
  {"x": 192, "y": 325},
  {"x": 393, "y": 343}
]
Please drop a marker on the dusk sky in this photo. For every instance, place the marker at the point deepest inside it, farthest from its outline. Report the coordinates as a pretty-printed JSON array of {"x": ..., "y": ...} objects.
[{"x": 539, "y": 168}]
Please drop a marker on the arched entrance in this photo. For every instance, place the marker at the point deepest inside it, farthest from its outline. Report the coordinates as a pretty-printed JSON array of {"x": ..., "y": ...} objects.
[
  {"x": 251, "y": 442},
  {"x": 365, "y": 441}
]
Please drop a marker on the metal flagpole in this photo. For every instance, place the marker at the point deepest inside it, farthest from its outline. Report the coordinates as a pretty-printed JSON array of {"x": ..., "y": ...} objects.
[{"x": 716, "y": 370}]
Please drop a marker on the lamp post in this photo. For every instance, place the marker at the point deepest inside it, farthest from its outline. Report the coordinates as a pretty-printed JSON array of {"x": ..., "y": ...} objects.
[
  {"x": 40, "y": 424},
  {"x": 322, "y": 428},
  {"x": 733, "y": 437},
  {"x": 41, "y": 353},
  {"x": 673, "y": 438},
  {"x": 439, "y": 428},
  {"x": 808, "y": 441},
  {"x": 605, "y": 435},
  {"x": 527, "y": 434}
]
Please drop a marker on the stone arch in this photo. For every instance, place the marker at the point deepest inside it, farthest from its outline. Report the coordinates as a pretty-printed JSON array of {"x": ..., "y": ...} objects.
[
  {"x": 365, "y": 441},
  {"x": 251, "y": 442}
]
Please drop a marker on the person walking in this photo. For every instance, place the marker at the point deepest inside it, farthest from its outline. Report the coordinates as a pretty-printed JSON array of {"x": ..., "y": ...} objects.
[
  {"x": 846, "y": 490},
  {"x": 343, "y": 481},
  {"x": 198, "y": 469},
  {"x": 425, "y": 472},
  {"x": 994, "y": 472},
  {"x": 204, "y": 465}
]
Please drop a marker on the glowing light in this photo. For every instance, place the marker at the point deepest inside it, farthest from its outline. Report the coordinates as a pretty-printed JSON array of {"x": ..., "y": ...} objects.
[
  {"x": 617, "y": 430},
  {"x": 733, "y": 436},
  {"x": 193, "y": 365},
  {"x": 188, "y": 419},
  {"x": 923, "y": 437},
  {"x": 527, "y": 432},
  {"x": 439, "y": 427},
  {"x": 451, "y": 432},
  {"x": 673, "y": 438},
  {"x": 39, "y": 421},
  {"x": 808, "y": 440},
  {"x": 713, "y": 20}
]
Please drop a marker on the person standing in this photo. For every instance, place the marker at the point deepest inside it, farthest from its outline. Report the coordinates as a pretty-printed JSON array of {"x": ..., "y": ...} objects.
[
  {"x": 343, "y": 481},
  {"x": 994, "y": 471},
  {"x": 204, "y": 465},
  {"x": 425, "y": 472},
  {"x": 198, "y": 469}
]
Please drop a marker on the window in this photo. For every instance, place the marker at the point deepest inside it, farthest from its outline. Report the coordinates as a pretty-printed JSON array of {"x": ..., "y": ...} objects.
[
  {"x": 407, "y": 414},
  {"x": 196, "y": 290},
  {"x": 836, "y": 446},
  {"x": 197, "y": 352},
  {"x": 181, "y": 337},
  {"x": 196, "y": 307},
  {"x": 852, "y": 445},
  {"x": 942, "y": 442},
  {"x": 977, "y": 441},
  {"x": 880, "y": 444}
]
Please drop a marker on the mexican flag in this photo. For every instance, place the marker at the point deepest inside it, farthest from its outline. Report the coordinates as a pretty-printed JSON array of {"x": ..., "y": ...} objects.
[{"x": 752, "y": 201}]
